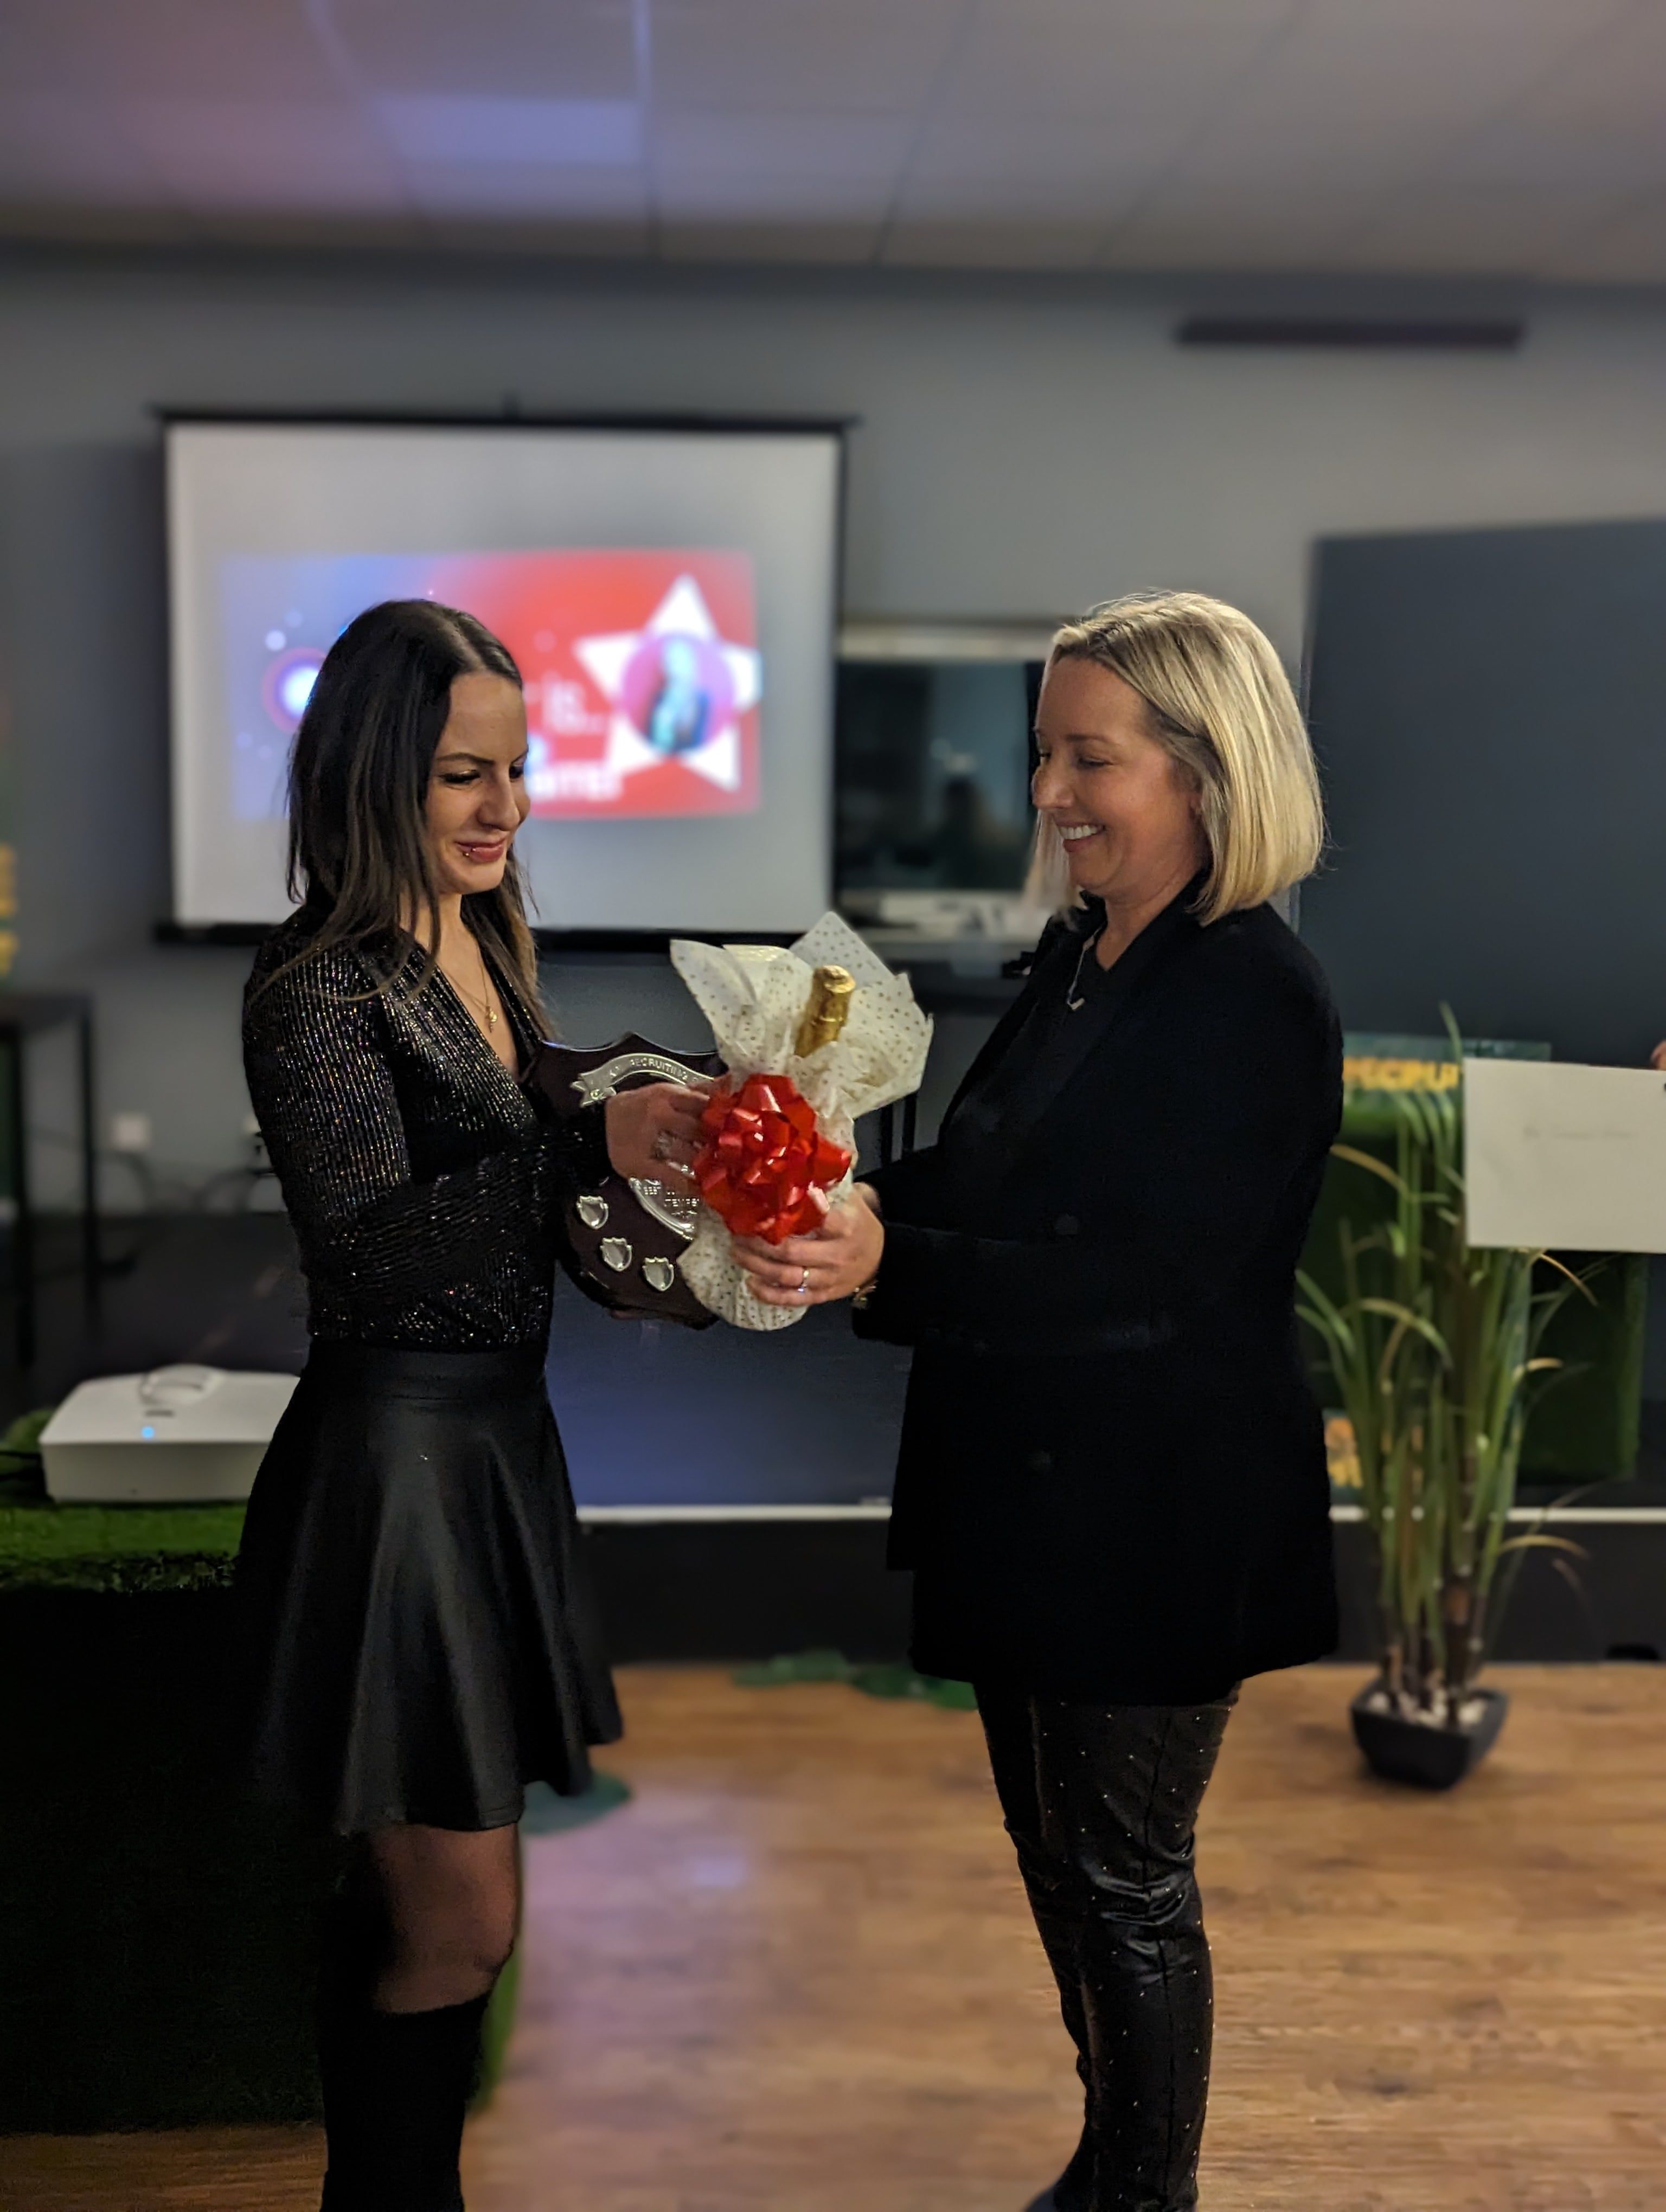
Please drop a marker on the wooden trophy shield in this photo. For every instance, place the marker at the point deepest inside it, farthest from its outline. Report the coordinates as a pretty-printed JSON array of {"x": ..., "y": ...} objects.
[{"x": 625, "y": 1236}]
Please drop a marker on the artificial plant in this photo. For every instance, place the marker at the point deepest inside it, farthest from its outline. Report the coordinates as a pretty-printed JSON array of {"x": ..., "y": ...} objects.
[{"x": 1432, "y": 1347}]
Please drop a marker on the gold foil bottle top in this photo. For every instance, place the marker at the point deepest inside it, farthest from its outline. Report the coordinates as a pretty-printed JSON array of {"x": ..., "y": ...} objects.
[{"x": 826, "y": 1011}]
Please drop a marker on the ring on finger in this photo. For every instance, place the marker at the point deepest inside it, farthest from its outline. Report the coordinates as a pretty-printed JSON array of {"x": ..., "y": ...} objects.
[{"x": 803, "y": 1282}]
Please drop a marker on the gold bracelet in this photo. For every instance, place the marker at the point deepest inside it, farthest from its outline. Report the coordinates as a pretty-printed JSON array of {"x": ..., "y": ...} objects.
[{"x": 859, "y": 1298}]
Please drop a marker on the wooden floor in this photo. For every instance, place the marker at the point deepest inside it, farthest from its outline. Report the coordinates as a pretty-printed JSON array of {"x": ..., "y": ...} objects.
[{"x": 796, "y": 1973}]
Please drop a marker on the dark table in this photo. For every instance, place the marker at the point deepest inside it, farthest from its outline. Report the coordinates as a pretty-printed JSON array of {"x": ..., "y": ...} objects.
[{"x": 24, "y": 1015}]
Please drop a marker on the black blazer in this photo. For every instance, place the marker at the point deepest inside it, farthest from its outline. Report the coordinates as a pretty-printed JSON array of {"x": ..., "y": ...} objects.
[{"x": 1112, "y": 1482}]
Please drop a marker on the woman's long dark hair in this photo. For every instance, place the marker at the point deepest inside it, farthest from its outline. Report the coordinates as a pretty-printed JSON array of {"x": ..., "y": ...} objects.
[{"x": 359, "y": 775}]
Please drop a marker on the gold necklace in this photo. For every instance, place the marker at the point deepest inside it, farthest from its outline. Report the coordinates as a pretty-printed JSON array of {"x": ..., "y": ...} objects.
[{"x": 484, "y": 1004}]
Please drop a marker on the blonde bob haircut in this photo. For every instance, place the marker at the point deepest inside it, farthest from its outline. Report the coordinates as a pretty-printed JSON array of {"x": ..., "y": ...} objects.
[{"x": 1219, "y": 703}]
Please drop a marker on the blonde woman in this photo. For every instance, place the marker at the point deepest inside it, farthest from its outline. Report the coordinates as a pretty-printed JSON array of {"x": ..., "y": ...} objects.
[{"x": 1112, "y": 1489}]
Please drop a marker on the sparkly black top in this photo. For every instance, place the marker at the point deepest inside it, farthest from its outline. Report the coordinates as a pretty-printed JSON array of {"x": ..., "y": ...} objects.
[{"x": 425, "y": 1186}]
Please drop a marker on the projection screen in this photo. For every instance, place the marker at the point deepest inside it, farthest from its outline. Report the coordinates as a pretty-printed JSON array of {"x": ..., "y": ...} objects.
[{"x": 669, "y": 596}]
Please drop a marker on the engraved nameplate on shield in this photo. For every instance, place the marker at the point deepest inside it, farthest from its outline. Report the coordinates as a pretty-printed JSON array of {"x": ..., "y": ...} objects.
[{"x": 674, "y": 1209}]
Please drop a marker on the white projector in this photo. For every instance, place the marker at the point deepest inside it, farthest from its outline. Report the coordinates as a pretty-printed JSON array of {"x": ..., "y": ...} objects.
[{"x": 178, "y": 1436}]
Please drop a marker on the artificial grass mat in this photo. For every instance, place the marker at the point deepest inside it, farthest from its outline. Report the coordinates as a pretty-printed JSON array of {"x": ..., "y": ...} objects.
[
  {"x": 874, "y": 1678},
  {"x": 119, "y": 1547}
]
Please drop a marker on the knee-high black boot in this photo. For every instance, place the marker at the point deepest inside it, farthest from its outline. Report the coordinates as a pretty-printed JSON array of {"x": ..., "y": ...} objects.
[
  {"x": 396, "y": 2085},
  {"x": 1101, "y": 1804},
  {"x": 395, "y": 2088}
]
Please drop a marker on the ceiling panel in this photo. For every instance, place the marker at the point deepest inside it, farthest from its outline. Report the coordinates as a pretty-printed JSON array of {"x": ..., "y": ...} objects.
[
  {"x": 1626, "y": 246},
  {"x": 1399, "y": 86},
  {"x": 878, "y": 55},
  {"x": 1457, "y": 136},
  {"x": 1098, "y": 209},
  {"x": 574, "y": 237},
  {"x": 61, "y": 223},
  {"x": 394, "y": 231},
  {"x": 1473, "y": 230},
  {"x": 786, "y": 197},
  {"x": 708, "y": 141},
  {"x": 1599, "y": 119},
  {"x": 1565, "y": 151},
  {"x": 229, "y": 153},
  {"x": 994, "y": 151},
  {"x": 54, "y": 146},
  {"x": 249, "y": 48},
  {"x": 993, "y": 244},
  {"x": 486, "y": 131},
  {"x": 1168, "y": 65},
  {"x": 514, "y": 189},
  {"x": 819, "y": 243},
  {"x": 1289, "y": 231},
  {"x": 548, "y": 49}
]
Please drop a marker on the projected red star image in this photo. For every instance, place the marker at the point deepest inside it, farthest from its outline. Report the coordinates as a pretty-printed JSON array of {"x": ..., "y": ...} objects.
[
  {"x": 641, "y": 669},
  {"x": 642, "y": 676}
]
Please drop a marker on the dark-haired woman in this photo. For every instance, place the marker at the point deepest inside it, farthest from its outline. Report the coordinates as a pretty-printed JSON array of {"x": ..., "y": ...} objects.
[{"x": 420, "y": 1643}]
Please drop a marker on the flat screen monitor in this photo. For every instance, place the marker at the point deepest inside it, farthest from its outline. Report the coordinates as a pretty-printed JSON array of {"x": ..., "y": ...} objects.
[
  {"x": 668, "y": 595},
  {"x": 933, "y": 759}
]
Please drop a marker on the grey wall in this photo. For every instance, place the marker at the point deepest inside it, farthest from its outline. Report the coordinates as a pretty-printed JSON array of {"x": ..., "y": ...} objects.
[{"x": 1025, "y": 448}]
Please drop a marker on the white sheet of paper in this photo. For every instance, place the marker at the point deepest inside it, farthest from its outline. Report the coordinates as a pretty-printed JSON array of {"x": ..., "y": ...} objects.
[{"x": 1567, "y": 1159}]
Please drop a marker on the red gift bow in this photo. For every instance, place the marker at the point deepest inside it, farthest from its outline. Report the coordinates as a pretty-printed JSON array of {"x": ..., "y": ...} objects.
[{"x": 763, "y": 1166}]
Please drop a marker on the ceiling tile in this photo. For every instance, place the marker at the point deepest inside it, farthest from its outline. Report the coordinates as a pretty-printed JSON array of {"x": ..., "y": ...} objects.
[
  {"x": 1625, "y": 247},
  {"x": 995, "y": 150},
  {"x": 57, "y": 146},
  {"x": 273, "y": 154},
  {"x": 514, "y": 189},
  {"x": 1268, "y": 231},
  {"x": 56, "y": 222},
  {"x": 624, "y": 239},
  {"x": 877, "y": 56},
  {"x": 804, "y": 202},
  {"x": 1564, "y": 151},
  {"x": 1029, "y": 203},
  {"x": 464, "y": 128},
  {"x": 1162, "y": 68},
  {"x": 710, "y": 142},
  {"x": 1362, "y": 89},
  {"x": 524, "y": 49},
  {"x": 329, "y": 230},
  {"x": 1474, "y": 136},
  {"x": 1472, "y": 230},
  {"x": 992, "y": 244},
  {"x": 253, "y": 49},
  {"x": 1598, "y": 119},
  {"x": 838, "y": 243}
]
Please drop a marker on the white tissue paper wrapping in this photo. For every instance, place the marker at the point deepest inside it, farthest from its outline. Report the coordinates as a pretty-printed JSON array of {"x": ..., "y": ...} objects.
[{"x": 754, "y": 997}]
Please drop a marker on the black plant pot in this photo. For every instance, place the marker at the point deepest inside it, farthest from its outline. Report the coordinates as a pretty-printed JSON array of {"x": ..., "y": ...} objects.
[{"x": 1401, "y": 1750}]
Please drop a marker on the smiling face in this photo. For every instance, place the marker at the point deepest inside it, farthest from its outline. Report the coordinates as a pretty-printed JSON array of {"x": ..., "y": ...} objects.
[
  {"x": 1125, "y": 810},
  {"x": 476, "y": 788}
]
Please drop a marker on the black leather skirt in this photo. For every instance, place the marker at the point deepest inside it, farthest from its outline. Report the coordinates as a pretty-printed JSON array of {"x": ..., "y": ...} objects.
[{"x": 417, "y": 1641}]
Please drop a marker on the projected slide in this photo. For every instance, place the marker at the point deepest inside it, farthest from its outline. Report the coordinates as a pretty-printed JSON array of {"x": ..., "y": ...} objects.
[
  {"x": 641, "y": 669},
  {"x": 669, "y": 596}
]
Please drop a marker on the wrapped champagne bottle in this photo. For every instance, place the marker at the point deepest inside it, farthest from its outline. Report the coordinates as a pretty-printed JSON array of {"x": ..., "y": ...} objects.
[{"x": 826, "y": 1011}]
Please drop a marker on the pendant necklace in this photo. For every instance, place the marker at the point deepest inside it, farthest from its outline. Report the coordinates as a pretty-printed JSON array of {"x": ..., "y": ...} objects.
[
  {"x": 1076, "y": 998},
  {"x": 484, "y": 1004}
]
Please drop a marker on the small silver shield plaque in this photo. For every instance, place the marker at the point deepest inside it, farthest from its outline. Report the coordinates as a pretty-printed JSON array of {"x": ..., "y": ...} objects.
[
  {"x": 616, "y": 1252},
  {"x": 658, "y": 1274},
  {"x": 591, "y": 1210}
]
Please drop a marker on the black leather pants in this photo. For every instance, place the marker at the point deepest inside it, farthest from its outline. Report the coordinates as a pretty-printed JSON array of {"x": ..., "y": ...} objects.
[{"x": 1101, "y": 1801}]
